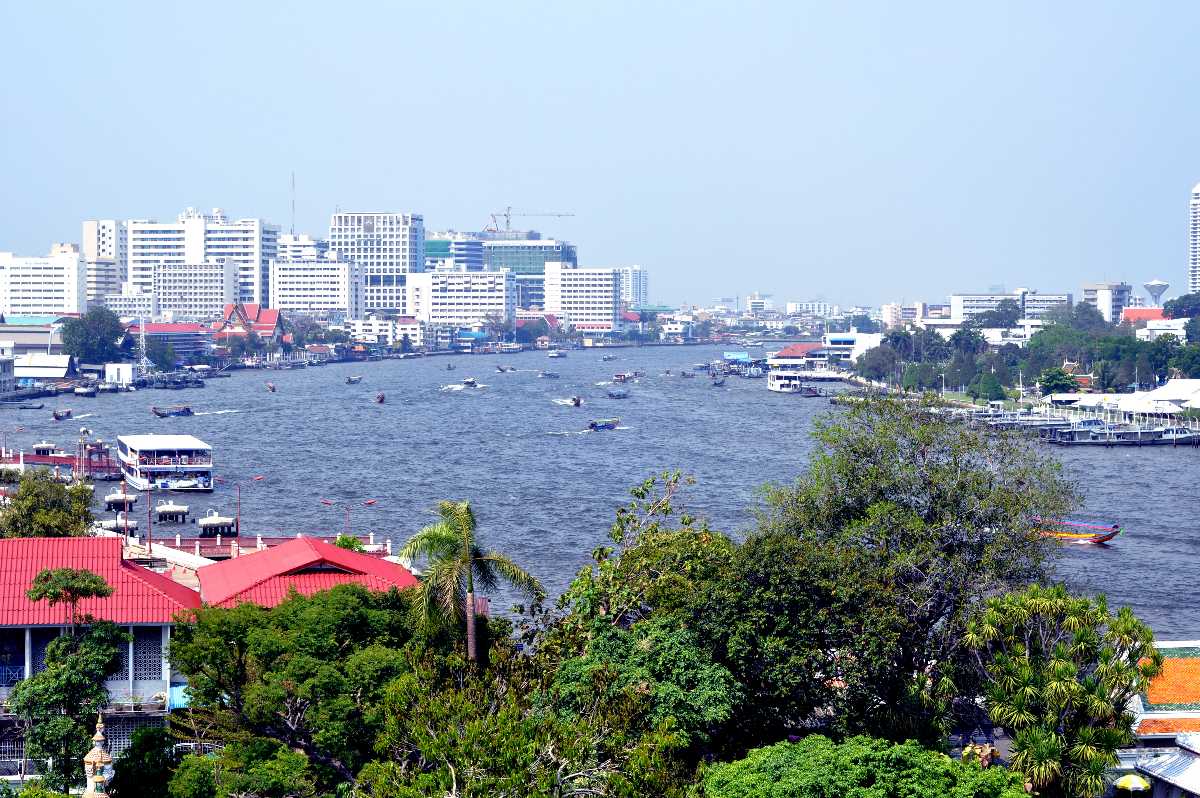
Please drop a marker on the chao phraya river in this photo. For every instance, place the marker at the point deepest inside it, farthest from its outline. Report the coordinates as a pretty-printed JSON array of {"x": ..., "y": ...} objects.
[{"x": 545, "y": 490}]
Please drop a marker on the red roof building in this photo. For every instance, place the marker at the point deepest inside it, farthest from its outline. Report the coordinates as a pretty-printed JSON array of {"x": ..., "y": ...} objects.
[
  {"x": 1134, "y": 315},
  {"x": 801, "y": 350},
  {"x": 305, "y": 565},
  {"x": 140, "y": 596},
  {"x": 242, "y": 319}
]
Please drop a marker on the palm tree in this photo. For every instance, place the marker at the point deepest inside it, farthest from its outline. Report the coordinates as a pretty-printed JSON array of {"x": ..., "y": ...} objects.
[{"x": 455, "y": 563}]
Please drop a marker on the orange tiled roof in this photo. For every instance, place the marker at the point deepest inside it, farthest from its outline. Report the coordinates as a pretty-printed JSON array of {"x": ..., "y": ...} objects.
[
  {"x": 1179, "y": 683},
  {"x": 1168, "y": 725}
]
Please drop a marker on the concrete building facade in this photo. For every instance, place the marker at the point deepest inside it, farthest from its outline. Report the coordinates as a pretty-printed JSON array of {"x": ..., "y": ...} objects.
[
  {"x": 635, "y": 291},
  {"x": 527, "y": 258},
  {"x": 450, "y": 251},
  {"x": 50, "y": 284},
  {"x": 195, "y": 291},
  {"x": 463, "y": 298},
  {"x": 388, "y": 247},
  {"x": 105, "y": 249},
  {"x": 1033, "y": 305},
  {"x": 587, "y": 299},
  {"x": 319, "y": 285},
  {"x": 1110, "y": 299},
  {"x": 195, "y": 238}
]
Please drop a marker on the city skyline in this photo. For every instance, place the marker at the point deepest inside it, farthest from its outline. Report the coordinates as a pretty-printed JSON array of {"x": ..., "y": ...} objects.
[{"x": 921, "y": 149}]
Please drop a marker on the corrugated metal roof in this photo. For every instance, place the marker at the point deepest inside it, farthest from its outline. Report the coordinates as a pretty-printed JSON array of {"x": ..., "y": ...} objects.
[
  {"x": 153, "y": 442},
  {"x": 265, "y": 577},
  {"x": 1182, "y": 769},
  {"x": 139, "y": 594}
]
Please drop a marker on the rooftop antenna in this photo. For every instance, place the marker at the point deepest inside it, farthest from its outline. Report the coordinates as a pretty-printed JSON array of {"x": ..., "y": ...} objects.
[{"x": 293, "y": 227}]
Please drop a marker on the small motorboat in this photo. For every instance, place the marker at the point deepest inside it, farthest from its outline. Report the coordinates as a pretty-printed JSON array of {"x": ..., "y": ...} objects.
[
  {"x": 30, "y": 406},
  {"x": 449, "y": 367},
  {"x": 271, "y": 387},
  {"x": 667, "y": 373},
  {"x": 379, "y": 398},
  {"x": 173, "y": 410},
  {"x": 61, "y": 413},
  {"x": 556, "y": 353},
  {"x": 618, "y": 393},
  {"x": 620, "y": 377},
  {"x": 89, "y": 391},
  {"x": 718, "y": 382},
  {"x": 505, "y": 369},
  {"x": 354, "y": 379},
  {"x": 576, "y": 401},
  {"x": 1077, "y": 532},
  {"x": 687, "y": 374},
  {"x": 607, "y": 358},
  {"x": 603, "y": 423},
  {"x": 470, "y": 382},
  {"x": 549, "y": 375}
]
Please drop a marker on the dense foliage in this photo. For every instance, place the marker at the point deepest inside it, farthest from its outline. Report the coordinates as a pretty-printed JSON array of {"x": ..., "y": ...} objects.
[
  {"x": 93, "y": 337},
  {"x": 144, "y": 769},
  {"x": 1061, "y": 672},
  {"x": 861, "y": 767},
  {"x": 44, "y": 507}
]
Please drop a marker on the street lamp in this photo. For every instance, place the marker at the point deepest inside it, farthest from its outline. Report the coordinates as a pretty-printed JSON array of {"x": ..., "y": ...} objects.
[
  {"x": 347, "y": 505},
  {"x": 943, "y": 376},
  {"x": 237, "y": 524}
]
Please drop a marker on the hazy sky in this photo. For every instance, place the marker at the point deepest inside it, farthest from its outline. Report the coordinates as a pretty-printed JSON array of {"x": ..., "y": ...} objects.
[{"x": 857, "y": 152}]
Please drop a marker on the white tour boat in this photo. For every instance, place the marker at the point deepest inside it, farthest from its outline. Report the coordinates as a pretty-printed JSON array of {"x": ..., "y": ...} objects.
[{"x": 165, "y": 462}]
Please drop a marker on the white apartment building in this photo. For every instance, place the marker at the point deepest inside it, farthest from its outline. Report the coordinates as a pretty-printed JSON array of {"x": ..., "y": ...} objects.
[
  {"x": 634, "y": 286},
  {"x": 196, "y": 237},
  {"x": 1033, "y": 304},
  {"x": 816, "y": 308},
  {"x": 1110, "y": 299},
  {"x": 1194, "y": 241},
  {"x": 55, "y": 283},
  {"x": 195, "y": 291},
  {"x": 388, "y": 247},
  {"x": 388, "y": 332},
  {"x": 758, "y": 303},
  {"x": 463, "y": 298},
  {"x": 587, "y": 299},
  {"x": 105, "y": 249},
  {"x": 129, "y": 306},
  {"x": 293, "y": 247},
  {"x": 321, "y": 285}
]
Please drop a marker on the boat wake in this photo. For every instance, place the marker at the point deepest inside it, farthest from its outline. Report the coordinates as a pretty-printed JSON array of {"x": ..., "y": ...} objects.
[
  {"x": 85, "y": 415},
  {"x": 563, "y": 402},
  {"x": 602, "y": 383},
  {"x": 460, "y": 387},
  {"x": 572, "y": 432},
  {"x": 215, "y": 412}
]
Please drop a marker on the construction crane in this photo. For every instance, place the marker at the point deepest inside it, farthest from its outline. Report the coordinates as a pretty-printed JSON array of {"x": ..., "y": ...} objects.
[{"x": 508, "y": 213}]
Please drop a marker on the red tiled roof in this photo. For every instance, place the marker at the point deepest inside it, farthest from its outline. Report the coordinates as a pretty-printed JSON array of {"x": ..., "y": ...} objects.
[
  {"x": 799, "y": 350},
  {"x": 1168, "y": 725},
  {"x": 629, "y": 315},
  {"x": 1132, "y": 315},
  {"x": 306, "y": 565},
  {"x": 1179, "y": 682},
  {"x": 260, "y": 319},
  {"x": 181, "y": 327},
  {"x": 139, "y": 595},
  {"x": 405, "y": 320}
]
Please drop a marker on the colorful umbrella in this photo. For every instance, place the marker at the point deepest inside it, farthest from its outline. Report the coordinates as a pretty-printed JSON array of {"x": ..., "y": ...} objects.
[{"x": 1133, "y": 783}]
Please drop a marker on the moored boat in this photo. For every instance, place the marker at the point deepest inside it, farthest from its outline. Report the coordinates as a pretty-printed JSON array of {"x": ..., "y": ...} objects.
[
  {"x": 603, "y": 423},
  {"x": 89, "y": 391},
  {"x": 1078, "y": 532},
  {"x": 618, "y": 393},
  {"x": 165, "y": 462},
  {"x": 379, "y": 398},
  {"x": 173, "y": 410}
]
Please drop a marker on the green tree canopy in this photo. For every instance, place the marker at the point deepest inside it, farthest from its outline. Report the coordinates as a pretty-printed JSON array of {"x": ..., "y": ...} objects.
[
  {"x": 878, "y": 363},
  {"x": 936, "y": 513},
  {"x": 1061, "y": 672},
  {"x": 1055, "y": 380},
  {"x": 860, "y": 767},
  {"x": 1006, "y": 314},
  {"x": 43, "y": 507},
  {"x": 1186, "y": 306},
  {"x": 68, "y": 586},
  {"x": 144, "y": 769},
  {"x": 93, "y": 337}
]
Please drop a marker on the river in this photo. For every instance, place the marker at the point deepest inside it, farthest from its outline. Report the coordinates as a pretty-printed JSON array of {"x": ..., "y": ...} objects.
[{"x": 545, "y": 490}]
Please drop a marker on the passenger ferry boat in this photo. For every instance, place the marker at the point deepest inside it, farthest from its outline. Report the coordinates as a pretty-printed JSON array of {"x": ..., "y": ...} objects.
[{"x": 165, "y": 462}]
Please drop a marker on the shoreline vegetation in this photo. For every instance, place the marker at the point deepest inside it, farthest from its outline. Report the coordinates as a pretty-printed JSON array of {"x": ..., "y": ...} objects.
[{"x": 895, "y": 595}]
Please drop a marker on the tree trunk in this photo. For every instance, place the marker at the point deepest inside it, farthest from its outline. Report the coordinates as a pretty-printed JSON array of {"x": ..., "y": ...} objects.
[{"x": 472, "y": 653}]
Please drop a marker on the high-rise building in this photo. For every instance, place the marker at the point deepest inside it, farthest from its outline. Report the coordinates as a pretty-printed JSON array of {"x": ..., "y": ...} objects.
[
  {"x": 1033, "y": 305},
  {"x": 463, "y": 298},
  {"x": 388, "y": 247},
  {"x": 293, "y": 247},
  {"x": 324, "y": 285},
  {"x": 55, "y": 283},
  {"x": 1108, "y": 298},
  {"x": 196, "y": 237},
  {"x": 634, "y": 286},
  {"x": 451, "y": 251},
  {"x": 587, "y": 299},
  {"x": 758, "y": 303},
  {"x": 105, "y": 250},
  {"x": 195, "y": 291},
  {"x": 1194, "y": 241},
  {"x": 526, "y": 258}
]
